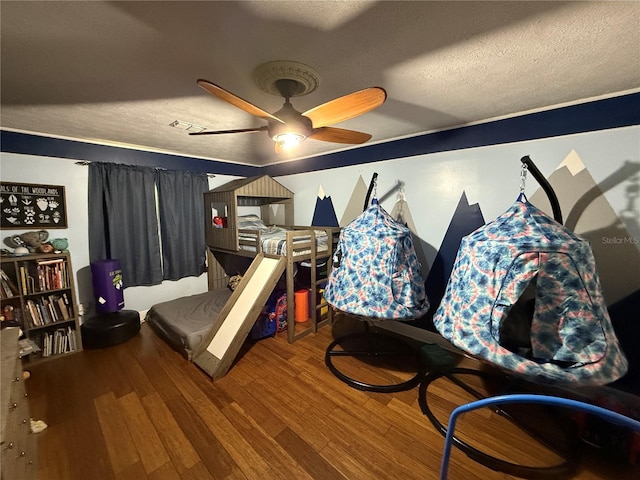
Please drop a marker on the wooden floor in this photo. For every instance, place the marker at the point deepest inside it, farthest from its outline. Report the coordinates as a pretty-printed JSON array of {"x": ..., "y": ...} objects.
[{"x": 139, "y": 410}]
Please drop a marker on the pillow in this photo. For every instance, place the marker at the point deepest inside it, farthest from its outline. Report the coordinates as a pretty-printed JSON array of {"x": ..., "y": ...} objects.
[{"x": 252, "y": 222}]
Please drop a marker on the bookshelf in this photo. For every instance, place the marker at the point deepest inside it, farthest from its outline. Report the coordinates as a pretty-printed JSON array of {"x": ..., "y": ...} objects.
[{"x": 38, "y": 294}]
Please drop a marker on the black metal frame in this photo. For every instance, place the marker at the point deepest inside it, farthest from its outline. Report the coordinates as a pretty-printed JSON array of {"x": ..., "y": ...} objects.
[
  {"x": 372, "y": 339},
  {"x": 569, "y": 454}
]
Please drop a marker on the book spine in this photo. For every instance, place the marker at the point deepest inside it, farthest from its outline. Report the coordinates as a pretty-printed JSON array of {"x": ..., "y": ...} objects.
[{"x": 23, "y": 279}]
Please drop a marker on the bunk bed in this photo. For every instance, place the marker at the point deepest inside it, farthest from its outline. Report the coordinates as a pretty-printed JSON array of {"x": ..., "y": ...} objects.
[
  {"x": 234, "y": 241},
  {"x": 271, "y": 232}
]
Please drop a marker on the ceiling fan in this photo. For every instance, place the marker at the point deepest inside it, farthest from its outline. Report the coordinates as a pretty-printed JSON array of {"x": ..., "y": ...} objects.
[{"x": 288, "y": 127}]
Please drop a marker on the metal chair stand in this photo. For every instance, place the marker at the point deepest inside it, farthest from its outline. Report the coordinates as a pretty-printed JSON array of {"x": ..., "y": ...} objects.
[
  {"x": 569, "y": 452},
  {"x": 374, "y": 346}
]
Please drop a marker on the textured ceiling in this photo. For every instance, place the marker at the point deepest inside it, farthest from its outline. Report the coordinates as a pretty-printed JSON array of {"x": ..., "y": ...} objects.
[{"x": 119, "y": 73}]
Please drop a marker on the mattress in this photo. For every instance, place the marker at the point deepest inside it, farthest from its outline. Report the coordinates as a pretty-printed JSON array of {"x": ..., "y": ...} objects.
[
  {"x": 274, "y": 241},
  {"x": 185, "y": 321},
  {"x": 274, "y": 238}
]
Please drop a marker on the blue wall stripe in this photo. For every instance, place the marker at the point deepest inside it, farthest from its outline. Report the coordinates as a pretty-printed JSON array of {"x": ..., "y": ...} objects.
[
  {"x": 603, "y": 114},
  {"x": 30, "y": 144}
]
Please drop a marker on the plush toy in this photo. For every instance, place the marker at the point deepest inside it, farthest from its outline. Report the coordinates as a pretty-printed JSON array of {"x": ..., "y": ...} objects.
[
  {"x": 59, "y": 244},
  {"x": 31, "y": 240},
  {"x": 234, "y": 282}
]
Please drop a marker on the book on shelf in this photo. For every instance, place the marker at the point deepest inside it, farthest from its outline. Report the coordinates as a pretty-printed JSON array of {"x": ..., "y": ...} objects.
[
  {"x": 8, "y": 288},
  {"x": 63, "y": 308},
  {"x": 23, "y": 279},
  {"x": 33, "y": 314},
  {"x": 73, "y": 345},
  {"x": 46, "y": 310},
  {"x": 44, "y": 275},
  {"x": 54, "y": 342},
  {"x": 52, "y": 274}
]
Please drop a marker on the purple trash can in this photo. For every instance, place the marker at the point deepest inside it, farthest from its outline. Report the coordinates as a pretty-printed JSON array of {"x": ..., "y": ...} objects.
[{"x": 107, "y": 285}]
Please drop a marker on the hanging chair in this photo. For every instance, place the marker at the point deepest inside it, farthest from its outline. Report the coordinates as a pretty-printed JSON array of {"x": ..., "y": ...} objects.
[
  {"x": 376, "y": 273},
  {"x": 524, "y": 295},
  {"x": 376, "y": 276}
]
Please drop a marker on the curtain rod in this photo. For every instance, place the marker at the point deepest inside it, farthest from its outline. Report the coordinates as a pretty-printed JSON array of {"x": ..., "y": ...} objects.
[{"x": 84, "y": 163}]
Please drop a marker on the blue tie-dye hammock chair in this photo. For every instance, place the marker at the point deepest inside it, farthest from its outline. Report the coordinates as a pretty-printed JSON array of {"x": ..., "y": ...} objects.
[
  {"x": 376, "y": 273},
  {"x": 376, "y": 276},
  {"x": 524, "y": 295}
]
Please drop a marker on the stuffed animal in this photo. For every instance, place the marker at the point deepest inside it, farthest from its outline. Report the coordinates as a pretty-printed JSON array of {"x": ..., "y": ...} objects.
[
  {"x": 60, "y": 244},
  {"x": 234, "y": 282},
  {"x": 31, "y": 240}
]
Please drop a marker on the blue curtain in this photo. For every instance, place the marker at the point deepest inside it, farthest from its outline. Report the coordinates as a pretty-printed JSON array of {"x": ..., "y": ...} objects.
[
  {"x": 181, "y": 208},
  {"x": 123, "y": 222}
]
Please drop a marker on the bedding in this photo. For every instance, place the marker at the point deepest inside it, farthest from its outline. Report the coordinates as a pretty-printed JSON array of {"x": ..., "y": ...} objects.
[
  {"x": 185, "y": 321},
  {"x": 251, "y": 222},
  {"x": 274, "y": 238}
]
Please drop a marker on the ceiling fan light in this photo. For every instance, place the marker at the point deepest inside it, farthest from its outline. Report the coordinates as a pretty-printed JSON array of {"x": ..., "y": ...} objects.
[{"x": 288, "y": 140}]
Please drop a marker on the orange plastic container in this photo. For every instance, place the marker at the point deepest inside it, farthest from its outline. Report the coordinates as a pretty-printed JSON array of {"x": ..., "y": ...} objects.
[{"x": 302, "y": 305}]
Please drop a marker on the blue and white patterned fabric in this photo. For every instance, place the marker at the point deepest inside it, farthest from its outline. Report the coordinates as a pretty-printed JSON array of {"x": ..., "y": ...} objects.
[
  {"x": 376, "y": 273},
  {"x": 524, "y": 294}
]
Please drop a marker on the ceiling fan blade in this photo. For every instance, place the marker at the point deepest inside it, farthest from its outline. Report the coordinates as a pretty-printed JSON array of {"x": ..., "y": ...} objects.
[
  {"x": 236, "y": 101},
  {"x": 339, "y": 135},
  {"x": 346, "y": 107},
  {"x": 238, "y": 130}
]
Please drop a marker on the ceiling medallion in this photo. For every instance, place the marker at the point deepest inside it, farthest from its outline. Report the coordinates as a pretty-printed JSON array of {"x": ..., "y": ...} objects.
[{"x": 265, "y": 77}]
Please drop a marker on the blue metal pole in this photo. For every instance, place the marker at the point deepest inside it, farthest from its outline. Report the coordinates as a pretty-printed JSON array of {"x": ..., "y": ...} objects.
[{"x": 608, "y": 415}]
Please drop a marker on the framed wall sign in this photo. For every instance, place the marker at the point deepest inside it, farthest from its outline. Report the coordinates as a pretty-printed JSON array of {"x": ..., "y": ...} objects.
[{"x": 26, "y": 205}]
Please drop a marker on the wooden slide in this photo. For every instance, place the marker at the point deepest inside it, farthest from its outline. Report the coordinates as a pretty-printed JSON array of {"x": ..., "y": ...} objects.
[{"x": 221, "y": 345}]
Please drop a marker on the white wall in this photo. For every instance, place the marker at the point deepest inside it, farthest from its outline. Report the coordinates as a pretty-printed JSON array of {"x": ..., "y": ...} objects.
[{"x": 57, "y": 171}]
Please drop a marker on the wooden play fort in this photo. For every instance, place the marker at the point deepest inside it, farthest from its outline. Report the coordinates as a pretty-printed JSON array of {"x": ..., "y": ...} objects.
[{"x": 255, "y": 216}]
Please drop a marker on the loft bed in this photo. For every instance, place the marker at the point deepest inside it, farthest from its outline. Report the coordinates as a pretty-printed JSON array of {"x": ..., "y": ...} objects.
[
  {"x": 234, "y": 241},
  {"x": 268, "y": 229}
]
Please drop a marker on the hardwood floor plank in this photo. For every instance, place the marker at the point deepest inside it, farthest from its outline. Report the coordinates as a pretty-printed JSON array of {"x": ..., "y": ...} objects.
[
  {"x": 282, "y": 463},
  {"x": 185, "y": 385},
  {"x": 137, "y": 376},
  {"x": 238, "y": 448},
  {"x": 120, "y": 446},
  {"x": 83, "y": 432},
  {"x": 393, "y": 462},
  {"x": 199, "y": 472},
  {"x": 213, "y": 390},
  {"x": 335, "y": 386},
  {"x": 307, "y": 456},
  {"x": 112, "y": 372},
  {"x": 301, "y": 419},
  {"x": 157, "y": 376},
  {"x": 176, "y": 443},
  {"x": 71, "y": 417},
  {"x": 208, "y": 447},
  {"x": 50, "y": 463},
  {"x": 427, "y": 452},
  {"x": 260, "y": 412},
  {"x": 165, "y": 472},
  {"x": 145, "y": 437},
  {"x": 347, "y": 464},
  {"x": 133, "y": 472}
]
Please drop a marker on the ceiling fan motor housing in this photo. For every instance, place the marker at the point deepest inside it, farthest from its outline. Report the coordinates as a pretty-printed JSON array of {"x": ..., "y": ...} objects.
[{"x": 299, "y": 125}]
